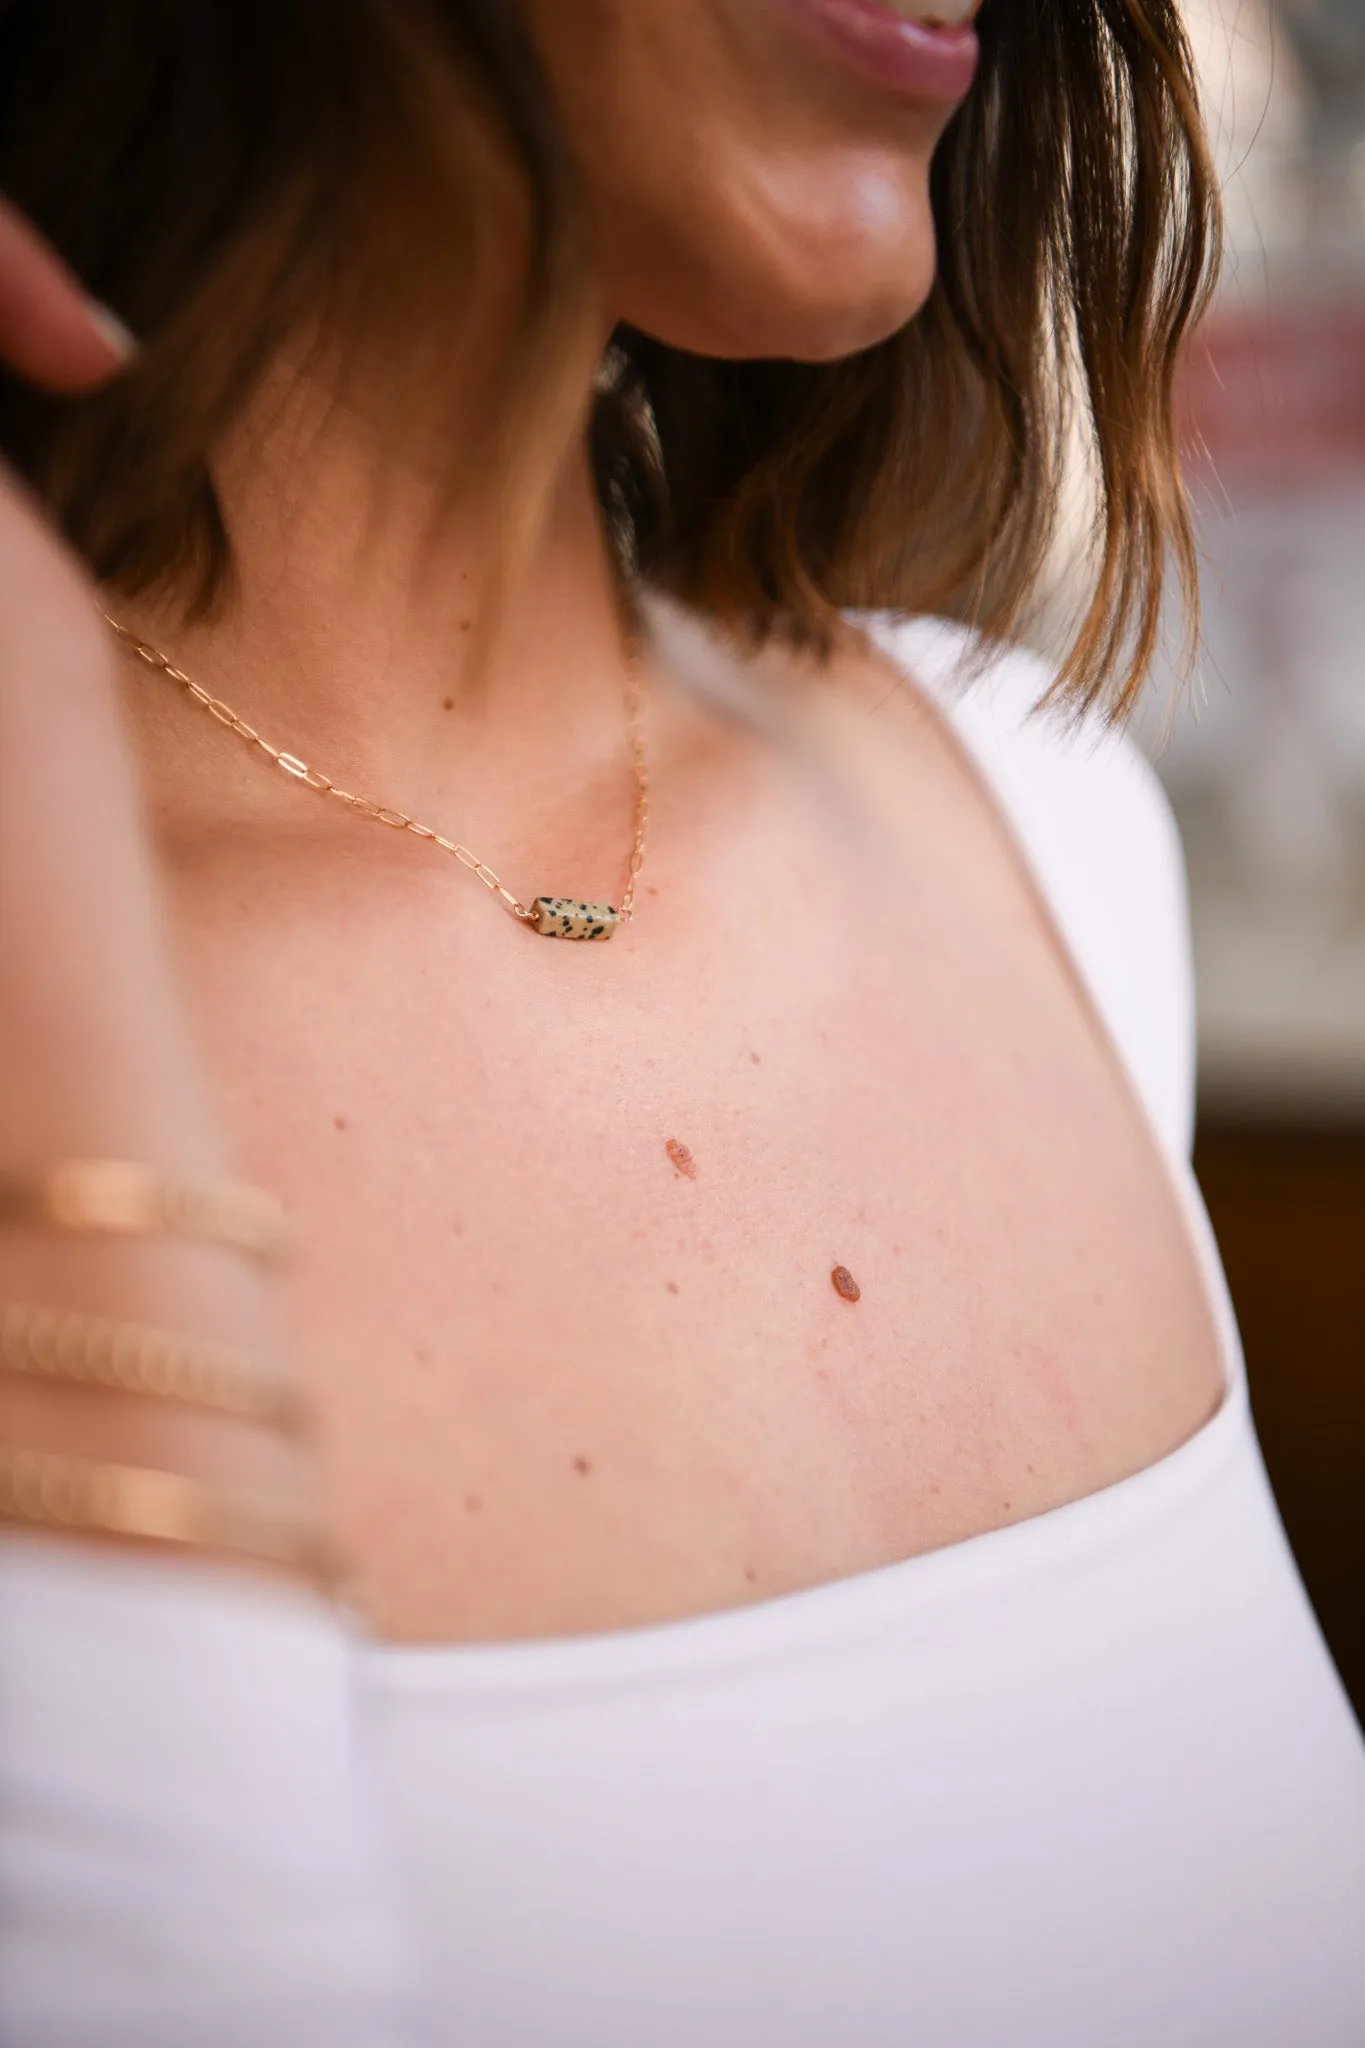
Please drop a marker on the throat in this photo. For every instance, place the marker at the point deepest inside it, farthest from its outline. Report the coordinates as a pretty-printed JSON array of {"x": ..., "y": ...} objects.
[{"x": 374, "y": 668}]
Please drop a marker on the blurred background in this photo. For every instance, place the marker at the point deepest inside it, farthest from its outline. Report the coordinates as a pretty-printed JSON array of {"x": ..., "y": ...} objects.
[{"x": 1264, "y": 758}]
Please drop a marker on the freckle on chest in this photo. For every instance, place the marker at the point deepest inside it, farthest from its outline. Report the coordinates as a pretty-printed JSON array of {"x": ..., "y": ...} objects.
[{"x": 682, "y": 1159}]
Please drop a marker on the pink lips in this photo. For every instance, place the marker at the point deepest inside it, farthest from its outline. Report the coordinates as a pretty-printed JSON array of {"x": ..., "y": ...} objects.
[{"x": 919, "y": 62}]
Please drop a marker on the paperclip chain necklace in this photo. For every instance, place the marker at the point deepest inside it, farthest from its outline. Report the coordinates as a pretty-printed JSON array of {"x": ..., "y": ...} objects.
[{"x": 555, "y": 917}]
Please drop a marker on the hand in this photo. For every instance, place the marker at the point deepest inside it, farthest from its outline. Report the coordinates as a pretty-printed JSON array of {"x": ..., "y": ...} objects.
[{"x": 50, "y": 332}]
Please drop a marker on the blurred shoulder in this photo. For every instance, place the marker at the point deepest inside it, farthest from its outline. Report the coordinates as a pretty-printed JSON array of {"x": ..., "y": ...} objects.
[{"x": 1093, "y": 824}]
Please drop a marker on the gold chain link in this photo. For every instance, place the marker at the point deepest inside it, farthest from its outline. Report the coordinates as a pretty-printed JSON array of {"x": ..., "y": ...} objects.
[{"x": 399, "y": 821}]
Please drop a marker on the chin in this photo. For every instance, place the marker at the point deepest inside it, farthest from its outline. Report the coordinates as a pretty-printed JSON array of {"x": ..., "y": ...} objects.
[
  {"x": 814, "y": 319},
  {"x": 750, "y": 196},
  {"x": 813, "y": 293}
]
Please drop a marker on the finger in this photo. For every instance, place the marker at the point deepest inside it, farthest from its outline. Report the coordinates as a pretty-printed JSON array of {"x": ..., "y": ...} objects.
[{"x": 50, "y": 331}]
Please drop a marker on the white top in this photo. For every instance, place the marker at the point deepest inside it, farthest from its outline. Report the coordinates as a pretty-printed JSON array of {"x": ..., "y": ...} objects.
[{"x": 1087, "y": 1779}]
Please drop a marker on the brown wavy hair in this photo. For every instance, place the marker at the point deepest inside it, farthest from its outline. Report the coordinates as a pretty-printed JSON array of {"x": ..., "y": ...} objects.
[{"x": 220, "y": 170}]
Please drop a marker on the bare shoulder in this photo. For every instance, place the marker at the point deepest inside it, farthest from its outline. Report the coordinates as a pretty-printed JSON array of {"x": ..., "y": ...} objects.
[
  {"x": 998, "y": 699},
  {"x": 1084, "y": 810},
  {"x": 955, "y": 741}
]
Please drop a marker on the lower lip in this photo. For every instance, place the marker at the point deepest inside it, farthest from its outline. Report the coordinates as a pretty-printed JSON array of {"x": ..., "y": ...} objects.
[{"x": 934, "y": 65}]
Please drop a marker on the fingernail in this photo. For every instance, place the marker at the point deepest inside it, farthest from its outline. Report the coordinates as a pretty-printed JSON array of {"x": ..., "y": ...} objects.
[{"x": 108, "y": 325}]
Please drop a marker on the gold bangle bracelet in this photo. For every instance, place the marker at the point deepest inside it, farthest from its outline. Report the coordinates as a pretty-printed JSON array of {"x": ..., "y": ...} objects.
[
  {"x": 130, "y": 1199},
  {"x": 79, "y": 1497},
  {"x": 66, "y": 1349}
]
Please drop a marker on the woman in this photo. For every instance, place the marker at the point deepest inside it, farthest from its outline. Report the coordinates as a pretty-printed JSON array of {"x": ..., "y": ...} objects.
[{"x": 775, "y": 1393}]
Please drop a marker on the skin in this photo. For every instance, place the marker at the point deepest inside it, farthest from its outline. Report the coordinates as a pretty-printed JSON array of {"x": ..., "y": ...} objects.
[
  {"x": 751, "y": 200},
  {"x": 79, "y": 910},
  {"x": 563, "y": 1386}
]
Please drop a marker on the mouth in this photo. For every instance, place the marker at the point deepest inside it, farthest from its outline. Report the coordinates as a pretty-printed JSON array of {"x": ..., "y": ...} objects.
[{"x": 923, "y": 51}]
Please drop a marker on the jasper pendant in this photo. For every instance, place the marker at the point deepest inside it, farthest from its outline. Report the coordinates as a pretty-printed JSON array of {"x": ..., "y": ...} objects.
[{"x": 559, "y": 917}]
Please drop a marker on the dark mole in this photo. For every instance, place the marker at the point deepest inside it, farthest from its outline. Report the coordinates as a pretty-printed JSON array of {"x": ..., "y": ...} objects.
[
  {"x": 473, "y": 1502},
  {"x": 583, "y": 1466},
  {"x": 682, "y": 1158},
  {"x": 339, "y": 1122},
  {"x": 845, "y": 1286},
  {"x": 672, "y": 1286},
  {"x": 447, "y": 703},
  {"x": 751, "y": 1575},
  {"x": 465, "y": 625}
]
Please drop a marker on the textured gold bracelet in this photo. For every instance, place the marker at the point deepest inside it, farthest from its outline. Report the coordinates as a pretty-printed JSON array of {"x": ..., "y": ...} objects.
[
  {"x": 133, "y": 1200},
  {"x": 67, "y": 1349},
  {"x": 80, "y": 1497}
]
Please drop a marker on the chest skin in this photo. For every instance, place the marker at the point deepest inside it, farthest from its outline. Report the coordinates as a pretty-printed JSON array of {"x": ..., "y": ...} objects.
[{"x": 570, "y": 1213}]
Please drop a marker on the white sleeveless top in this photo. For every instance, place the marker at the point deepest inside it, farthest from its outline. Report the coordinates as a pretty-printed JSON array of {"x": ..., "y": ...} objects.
[{"x": 1089, "y": 1781}]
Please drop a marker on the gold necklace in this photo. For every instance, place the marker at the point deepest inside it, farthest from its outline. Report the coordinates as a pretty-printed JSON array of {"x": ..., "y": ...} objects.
[{"x": 555, "y": 917}]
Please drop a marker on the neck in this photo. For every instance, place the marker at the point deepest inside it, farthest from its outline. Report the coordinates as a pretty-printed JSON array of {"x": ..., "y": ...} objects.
[{"x": 358, "y": 637}]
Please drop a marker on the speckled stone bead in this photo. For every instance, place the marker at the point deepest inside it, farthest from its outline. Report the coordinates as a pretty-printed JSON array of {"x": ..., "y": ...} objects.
[{"x": 559, "y": 917}]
